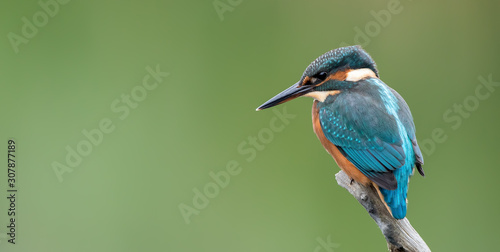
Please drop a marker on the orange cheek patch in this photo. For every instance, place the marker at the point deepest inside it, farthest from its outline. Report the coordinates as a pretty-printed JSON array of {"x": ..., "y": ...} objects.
[{"x": 339, "y": 75}]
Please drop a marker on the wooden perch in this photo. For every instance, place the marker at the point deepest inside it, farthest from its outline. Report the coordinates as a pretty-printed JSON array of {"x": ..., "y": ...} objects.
[{"x": 399, "y": 234}]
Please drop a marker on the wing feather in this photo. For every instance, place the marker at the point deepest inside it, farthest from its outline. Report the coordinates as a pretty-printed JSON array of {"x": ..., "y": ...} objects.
[{"x": 366, "y": 135}]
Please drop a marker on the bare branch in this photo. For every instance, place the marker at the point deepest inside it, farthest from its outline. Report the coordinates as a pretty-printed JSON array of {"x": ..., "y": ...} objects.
[{"x": 399, "y": 234}]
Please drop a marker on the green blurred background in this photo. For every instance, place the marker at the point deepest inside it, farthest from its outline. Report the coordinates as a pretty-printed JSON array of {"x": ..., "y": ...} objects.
[{"x": 224, "y": 58}]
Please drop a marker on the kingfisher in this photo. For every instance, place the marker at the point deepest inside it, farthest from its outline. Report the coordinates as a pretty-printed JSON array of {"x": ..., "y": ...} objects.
[{"x": 365, "y": 125}]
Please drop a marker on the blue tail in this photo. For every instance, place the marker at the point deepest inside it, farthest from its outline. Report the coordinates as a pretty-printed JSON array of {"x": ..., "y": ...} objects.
[{"x": 396, "y": 199}]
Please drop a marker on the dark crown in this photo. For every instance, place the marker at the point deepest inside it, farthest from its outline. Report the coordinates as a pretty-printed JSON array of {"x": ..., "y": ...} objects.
[{"x": 351, "y": 57}]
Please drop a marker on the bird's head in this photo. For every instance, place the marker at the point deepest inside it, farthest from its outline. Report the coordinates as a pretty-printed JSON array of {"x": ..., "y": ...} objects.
[{"x": 329, "y": 74}]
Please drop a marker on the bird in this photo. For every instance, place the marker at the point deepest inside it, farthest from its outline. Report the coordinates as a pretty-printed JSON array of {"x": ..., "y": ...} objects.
[{"x": 364, "y": 124}]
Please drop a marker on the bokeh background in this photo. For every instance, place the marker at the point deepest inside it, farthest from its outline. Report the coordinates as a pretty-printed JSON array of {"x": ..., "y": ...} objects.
[{"x": 224, "y": 58}]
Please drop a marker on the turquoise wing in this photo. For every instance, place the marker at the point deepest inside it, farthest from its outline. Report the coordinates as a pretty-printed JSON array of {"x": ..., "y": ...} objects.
[{"x": 366, "y": 135}]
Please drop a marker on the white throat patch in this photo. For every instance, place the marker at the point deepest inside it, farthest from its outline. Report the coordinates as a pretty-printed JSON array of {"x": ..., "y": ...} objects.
[{"x": 321, "y": 95}]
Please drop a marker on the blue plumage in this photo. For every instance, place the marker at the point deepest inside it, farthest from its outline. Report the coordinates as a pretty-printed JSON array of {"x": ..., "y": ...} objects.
[
  {"x": 372, "y": 126},
  {"x": 364, "y": 124}
]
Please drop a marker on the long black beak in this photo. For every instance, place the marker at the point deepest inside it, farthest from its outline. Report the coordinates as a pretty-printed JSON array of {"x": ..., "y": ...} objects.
[{"x": 288, "y": 94}]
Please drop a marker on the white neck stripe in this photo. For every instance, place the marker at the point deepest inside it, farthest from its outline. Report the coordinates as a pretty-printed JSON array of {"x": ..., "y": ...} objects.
[{"x": 360, "y": 74}]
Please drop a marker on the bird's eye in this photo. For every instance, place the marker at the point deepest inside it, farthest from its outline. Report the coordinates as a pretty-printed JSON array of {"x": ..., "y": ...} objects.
[
  {"x": 318, "y": 78},
  {"x": 322, "y": 76}
]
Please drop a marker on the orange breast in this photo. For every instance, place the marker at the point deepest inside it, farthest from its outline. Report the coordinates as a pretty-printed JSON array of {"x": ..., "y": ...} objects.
[{"x": 341, "y": 161}]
